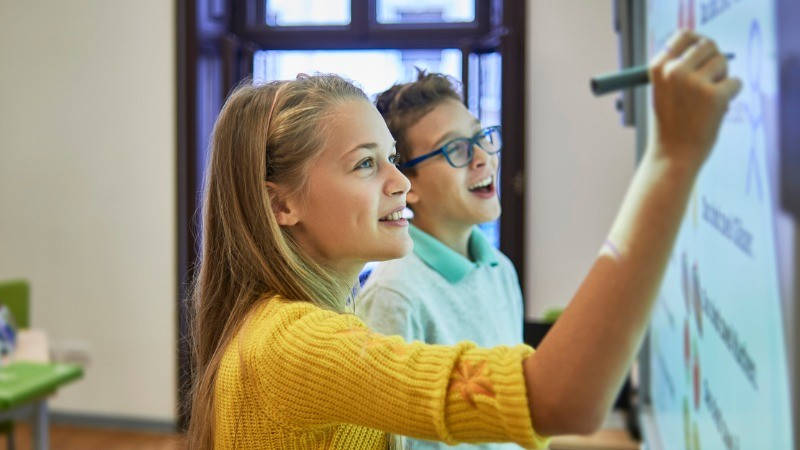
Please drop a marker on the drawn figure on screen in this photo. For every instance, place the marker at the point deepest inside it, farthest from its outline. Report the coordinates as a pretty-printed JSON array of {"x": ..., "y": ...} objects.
[
  {"x": 686, "y": 15},
  {"x": 754, "y": 109}
]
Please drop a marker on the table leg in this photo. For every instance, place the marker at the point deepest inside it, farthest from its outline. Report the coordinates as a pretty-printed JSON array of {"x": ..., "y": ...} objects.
[{"x": 40, "y": 426}]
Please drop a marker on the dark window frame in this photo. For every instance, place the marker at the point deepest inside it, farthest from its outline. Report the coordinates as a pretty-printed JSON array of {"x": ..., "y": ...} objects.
[
  {"x": 216, "y": 43},
  {"x": 363, "y": 32}
]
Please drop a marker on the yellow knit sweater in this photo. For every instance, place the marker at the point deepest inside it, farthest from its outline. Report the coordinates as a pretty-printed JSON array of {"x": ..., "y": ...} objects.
[{"x": 300, "y": 377}]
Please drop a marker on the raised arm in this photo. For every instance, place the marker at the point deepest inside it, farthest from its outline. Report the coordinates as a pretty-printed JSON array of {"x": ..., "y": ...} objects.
[{"x": 579, "y": 366}]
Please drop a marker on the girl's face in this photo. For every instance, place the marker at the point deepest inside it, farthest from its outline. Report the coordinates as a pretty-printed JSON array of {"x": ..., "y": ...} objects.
[{"x": 350, "y": 212}]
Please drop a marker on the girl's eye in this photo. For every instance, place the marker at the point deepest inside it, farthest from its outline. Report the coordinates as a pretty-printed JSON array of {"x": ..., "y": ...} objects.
[
  {"x": 395, "y": 159},
  {"x": 366, "y": 163}
]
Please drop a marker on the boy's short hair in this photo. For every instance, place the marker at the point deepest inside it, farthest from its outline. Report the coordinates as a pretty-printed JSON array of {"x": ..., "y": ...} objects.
[{"x": 404, "y": 104}]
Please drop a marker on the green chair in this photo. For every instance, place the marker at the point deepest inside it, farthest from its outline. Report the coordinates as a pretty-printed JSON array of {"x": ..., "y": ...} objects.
[
  {"x": 25, "y": 386},
  {"x": 15, "y": 294}
]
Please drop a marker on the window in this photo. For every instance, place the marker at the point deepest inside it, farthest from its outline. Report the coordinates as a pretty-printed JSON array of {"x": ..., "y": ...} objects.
[
  {"x": 479, "y": 42},
  {"x": 431, "y": 11},
  {"x": 484, "y": 101},
  {"x": 386, "y": 67},
  {"x": 307, "y": 12}
]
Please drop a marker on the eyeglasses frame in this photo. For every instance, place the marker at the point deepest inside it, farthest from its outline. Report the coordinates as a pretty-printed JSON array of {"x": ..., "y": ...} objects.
[{"x": 473, "y": 141}]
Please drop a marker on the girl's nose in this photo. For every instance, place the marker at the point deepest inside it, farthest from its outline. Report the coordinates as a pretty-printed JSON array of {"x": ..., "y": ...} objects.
[{"x": 397, "y": 183}]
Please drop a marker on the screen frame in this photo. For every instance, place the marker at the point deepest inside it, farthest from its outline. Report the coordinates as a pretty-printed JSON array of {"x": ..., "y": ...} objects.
[
  {"x": 788, "y": 15},
  {"x": 788, "y": 46}
]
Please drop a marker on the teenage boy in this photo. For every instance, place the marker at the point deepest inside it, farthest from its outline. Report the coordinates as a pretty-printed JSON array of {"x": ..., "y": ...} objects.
[{"x": 455, "y": 285}]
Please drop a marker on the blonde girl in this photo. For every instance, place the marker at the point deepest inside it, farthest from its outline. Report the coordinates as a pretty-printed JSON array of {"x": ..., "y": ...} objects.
[{"x": 302, "y": 190}]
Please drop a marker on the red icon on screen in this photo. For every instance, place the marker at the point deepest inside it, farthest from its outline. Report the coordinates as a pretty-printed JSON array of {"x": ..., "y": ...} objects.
[
  {"x": 686, "y": 349},
  {"x": 697, "y": 298},
  {"x": 696, "y": 380}
]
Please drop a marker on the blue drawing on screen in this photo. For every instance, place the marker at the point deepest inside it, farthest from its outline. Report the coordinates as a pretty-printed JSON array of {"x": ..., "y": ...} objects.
[{"x": 754, "y": 110}]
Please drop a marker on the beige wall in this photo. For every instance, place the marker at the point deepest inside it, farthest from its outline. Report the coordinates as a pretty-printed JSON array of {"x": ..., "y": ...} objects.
[
  {"x": 87, "y": 190},
  {"x": 580, "y": 159}
]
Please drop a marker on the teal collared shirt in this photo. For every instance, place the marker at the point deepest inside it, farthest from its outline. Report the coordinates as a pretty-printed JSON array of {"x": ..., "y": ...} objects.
[
  {"x": 449, "y": 263},
  {"x": 438, "y": 296}
]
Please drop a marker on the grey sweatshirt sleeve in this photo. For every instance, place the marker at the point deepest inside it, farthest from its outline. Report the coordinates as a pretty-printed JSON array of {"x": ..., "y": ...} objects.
[{"x": 389, "y": 312}]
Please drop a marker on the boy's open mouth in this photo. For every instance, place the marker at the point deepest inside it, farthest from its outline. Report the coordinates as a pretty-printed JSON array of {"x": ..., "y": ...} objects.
[{"x": 484, "y": 186}]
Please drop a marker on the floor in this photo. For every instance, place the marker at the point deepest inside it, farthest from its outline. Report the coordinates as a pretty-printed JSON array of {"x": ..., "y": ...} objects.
[{"x": 68, "y": 437}]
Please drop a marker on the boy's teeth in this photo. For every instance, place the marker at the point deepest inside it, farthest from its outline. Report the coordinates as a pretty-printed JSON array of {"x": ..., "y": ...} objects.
[{"x": 482, "y": 183}]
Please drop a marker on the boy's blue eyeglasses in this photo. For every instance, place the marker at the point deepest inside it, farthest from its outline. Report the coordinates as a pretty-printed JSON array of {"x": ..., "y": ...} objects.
[{"x": 459, "y": 152}]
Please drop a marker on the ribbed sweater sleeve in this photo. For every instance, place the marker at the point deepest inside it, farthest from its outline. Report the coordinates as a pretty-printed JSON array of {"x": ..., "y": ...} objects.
[{"x": 313, "y": 368}]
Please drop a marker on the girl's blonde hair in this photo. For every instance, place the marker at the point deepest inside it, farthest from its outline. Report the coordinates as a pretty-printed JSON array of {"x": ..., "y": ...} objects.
[{"x": 271, "y": 132}]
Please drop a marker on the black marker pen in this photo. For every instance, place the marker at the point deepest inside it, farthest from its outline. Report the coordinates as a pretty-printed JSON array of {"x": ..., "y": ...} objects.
[{"x": 627, "y": 78}]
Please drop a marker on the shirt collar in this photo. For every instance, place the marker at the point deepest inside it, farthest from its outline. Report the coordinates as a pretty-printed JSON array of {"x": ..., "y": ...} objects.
[{"x": 449, "y": 263}]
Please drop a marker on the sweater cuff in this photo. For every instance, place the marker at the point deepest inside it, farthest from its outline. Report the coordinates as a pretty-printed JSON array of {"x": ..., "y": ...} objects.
[{"x": 496, "y": 390}]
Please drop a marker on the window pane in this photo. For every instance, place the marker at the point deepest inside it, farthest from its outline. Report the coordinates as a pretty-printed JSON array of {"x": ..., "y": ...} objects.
[
  {"x": 373, "y": 70},
  {"x": 484, "y": 87},
  {"x": 430, "y": 11},
  {"x": 307, "y": 12},
  {"x": 484, "y": 103}
]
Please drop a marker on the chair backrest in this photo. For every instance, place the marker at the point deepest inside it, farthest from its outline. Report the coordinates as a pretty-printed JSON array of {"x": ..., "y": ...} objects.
[{"x": 15, "y": 294}]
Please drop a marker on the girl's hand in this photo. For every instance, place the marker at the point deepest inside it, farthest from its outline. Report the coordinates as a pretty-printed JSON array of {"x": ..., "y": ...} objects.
[{"x": 691, "y": 93}]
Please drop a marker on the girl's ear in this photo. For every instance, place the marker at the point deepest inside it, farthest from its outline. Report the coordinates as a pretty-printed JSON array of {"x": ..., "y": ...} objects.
[{"x": 284, "y": 207}]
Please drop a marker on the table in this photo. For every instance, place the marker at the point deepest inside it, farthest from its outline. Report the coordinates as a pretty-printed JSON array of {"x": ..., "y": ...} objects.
[{"x": 27, "y": 379}]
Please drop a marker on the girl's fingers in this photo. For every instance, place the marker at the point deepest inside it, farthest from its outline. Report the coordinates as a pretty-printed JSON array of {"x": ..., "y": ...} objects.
[
  {"x": 677, "y": 44},
  {"x": 696, "y": 56},
  {"x": 680, "y": 42},
  {"x": 714, "y": 69},
  {"x": 728, "y": 88}
]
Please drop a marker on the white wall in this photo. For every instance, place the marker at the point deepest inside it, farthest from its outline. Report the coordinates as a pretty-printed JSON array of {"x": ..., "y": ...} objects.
[
  {"x": 87, "y": 190},
  {"x": 580, "y": 159}
]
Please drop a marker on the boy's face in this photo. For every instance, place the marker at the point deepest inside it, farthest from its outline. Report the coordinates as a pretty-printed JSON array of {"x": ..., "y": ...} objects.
[{"x": 440, "y": 194}]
